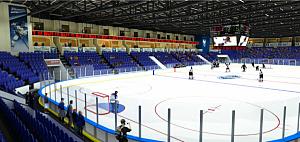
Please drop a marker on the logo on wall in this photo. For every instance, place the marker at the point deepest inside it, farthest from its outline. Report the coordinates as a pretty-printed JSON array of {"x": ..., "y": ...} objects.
[
  {"x": 18, "y": 29},
  {"x": 204, "y": 42}
]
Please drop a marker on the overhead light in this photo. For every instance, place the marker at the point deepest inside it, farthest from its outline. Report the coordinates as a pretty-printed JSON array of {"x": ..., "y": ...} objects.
[
  {"x": 242, "y": 1},
  {"x": 281, "y": 9},
  {"x": 267, "y": 15},
  {"x": 271, "y": 9},
  {"x": 53, "y": 14},
  {"x": 53, "y": 2}
]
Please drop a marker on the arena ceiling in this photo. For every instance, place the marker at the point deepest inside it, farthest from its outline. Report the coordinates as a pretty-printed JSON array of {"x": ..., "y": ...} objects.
[{"x": 266, "y": 18}]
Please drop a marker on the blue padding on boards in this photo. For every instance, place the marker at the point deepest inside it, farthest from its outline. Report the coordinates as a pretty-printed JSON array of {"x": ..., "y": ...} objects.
[{"x": 120, "y": 107}]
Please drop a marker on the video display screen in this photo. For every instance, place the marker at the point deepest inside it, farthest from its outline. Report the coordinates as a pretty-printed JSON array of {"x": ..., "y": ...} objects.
[
  {"x": 225, "y": 41},
  {"x": 243, "y": 41}
]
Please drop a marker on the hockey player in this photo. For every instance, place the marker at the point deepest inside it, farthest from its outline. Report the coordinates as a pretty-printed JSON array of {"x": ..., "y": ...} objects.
[
  {"x": 257, "y": 68},
  {"x": 261, "y": 76},
  {"x": 191, "y": 74},
  {"x": 244, "y": 67},
  {"x": 263, "y": 66},
  {"x": 227, "y": 67}
]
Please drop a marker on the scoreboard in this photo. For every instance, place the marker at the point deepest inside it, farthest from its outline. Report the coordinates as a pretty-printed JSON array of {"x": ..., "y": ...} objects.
[
  {"x": 230, "y": 30},
  {"x": 233, "y": 37}
]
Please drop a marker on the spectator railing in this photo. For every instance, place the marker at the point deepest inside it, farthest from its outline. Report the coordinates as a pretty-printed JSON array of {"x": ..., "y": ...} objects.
[{"x": 290, "y": 62}]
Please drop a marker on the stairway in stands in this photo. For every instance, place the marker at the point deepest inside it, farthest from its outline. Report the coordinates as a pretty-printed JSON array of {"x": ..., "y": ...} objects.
[{"x": 66, "y": 65}]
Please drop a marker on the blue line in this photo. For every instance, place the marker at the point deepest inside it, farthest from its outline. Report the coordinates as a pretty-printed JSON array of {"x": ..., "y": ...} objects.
[{"x": 234, "y": 84}]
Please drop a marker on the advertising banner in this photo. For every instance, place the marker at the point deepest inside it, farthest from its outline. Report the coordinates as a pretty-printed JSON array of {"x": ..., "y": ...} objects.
[{"x": 18, "y": 29}]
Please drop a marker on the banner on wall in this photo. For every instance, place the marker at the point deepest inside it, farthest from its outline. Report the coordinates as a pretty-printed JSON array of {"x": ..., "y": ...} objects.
[
  {"x": 204, "y": 43},
  {"x": 18, "y": 29},
  {"x": 135, "y": 49},
  {"x": 89, "y": 49},
  {"x": 53, "y": 49},
  {"x": 70, "y": 49},
  {"x": 41, "y": 48}
]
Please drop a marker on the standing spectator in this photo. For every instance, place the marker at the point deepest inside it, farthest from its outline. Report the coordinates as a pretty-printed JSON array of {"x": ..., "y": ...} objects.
[
  {"x": 31, "y": 99},
  {"x": 74, "y": 118},
  {"x": 122, "y": 131},
  {"x": 80, "y": 122},
  {"x": 69, "y": 113},
  {"x": 27, "y": 97},
  {"x": 46, "y": 103},
  {"x": 61, "y": 107}
]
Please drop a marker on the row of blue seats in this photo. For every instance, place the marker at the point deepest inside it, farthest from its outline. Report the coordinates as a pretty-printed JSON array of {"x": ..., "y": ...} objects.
[
  {"x": 183, "y": 57},
  {"x": 42, "y": 128},
  {"x": 265, "y": 52},
  {"x": 165, "y": 58},
  {"x": 120, "y": 59},
  {"x": 20, "y": 69},
  {"x": 86, "y": 58},
  {"x": 36, "y": 60},
  {"x": 37, "y": 55},
  {"x": 143, "y": 58},
  {"x": 16, "y": 127},
  {"x": 211, "y": 56},
  {"x": 8, "y": 82}
]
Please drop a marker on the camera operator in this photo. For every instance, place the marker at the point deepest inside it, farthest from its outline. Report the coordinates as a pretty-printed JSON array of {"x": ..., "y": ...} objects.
[{"x": 122, "y": 131}]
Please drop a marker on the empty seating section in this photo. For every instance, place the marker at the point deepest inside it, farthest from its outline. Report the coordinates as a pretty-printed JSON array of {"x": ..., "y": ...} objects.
[
  {"x": 8, "y": 82},
  {"x": 194, "y": 56},
  {"x": 17, "y": 128},
  {"x": 187, "y": 58},
  {"x": 42, "y": 128},
  {"x": 84, "y": 63},
  {"x": 21, "y": 70},
  {"x": 166, "y": 58},
  {"x": 119, "y": 60},
  {"x": 36, "y": 61},
  {"x": 143, "y": 59},
  {"x": 211, "y": 56},
  {"x": 269, "y": 52}
]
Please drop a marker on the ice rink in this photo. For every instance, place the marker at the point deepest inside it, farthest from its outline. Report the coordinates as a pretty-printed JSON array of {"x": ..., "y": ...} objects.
[{"x": 215, "y": 92}]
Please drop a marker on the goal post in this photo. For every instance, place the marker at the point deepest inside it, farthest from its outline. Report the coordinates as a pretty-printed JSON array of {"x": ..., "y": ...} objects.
[
  {"x": 103, "y": 103},
  {"x": 224, "y": 59},
  {"x": 268, "y": 63},
  {"x": 292, "y": 62}
]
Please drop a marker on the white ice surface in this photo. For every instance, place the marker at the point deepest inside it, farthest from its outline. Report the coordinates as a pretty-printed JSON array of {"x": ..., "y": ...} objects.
[{"x": 216, "y": 97}]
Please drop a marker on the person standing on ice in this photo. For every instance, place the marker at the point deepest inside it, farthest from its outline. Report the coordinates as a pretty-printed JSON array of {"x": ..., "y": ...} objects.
[
  {"x": 261, "y": 76},
  {"x": 227, "y": 67},
  {"x": 244, "y": 67},
  {"x": 114, "y": 101},
  {"x": 191, "y": 74}
]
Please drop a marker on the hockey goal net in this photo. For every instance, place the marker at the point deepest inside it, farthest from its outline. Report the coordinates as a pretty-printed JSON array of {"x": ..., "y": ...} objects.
[
  {"x": 268, "y": 63},
  {"x": 98, "y": 103}
]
